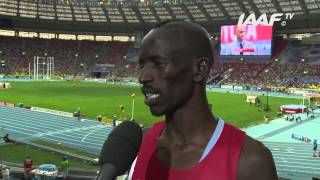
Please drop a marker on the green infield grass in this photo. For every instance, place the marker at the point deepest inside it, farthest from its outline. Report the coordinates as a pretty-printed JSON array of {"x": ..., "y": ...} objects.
[
  {"x": 104, "y": 99},
  {"x": 65, "y": 148},
  {"x": 18, "y": 153}
]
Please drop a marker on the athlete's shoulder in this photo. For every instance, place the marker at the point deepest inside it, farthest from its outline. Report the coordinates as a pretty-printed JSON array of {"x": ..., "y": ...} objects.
[
  {"x": 231, "y": 129},
  {"x": 256, "y": 161}
]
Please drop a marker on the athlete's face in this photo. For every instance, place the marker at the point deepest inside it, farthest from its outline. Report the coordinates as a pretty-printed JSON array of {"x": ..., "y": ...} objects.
[{"x": 166, "y": 75}]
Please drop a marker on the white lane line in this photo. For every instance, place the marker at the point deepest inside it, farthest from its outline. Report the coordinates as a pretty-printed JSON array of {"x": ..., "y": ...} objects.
[
  {"x": 298, "y": 171},
  {"x": 15, "y": 127},
  {"x": 64, "y": 131},
  {"x": 299, "y": 167},
  {"x": 73, "y": 144},
  {"x": 314, "y": 160},
  {"x": 297, "y": 153},
  {"x": 44, "y": 124},
  {"x": 63, "y": 139},
  {"x": 297, "y": 164},
  {"x": 68, "y": 121},
  {"x": 9, "y": 129},
  {"x": 82, "y": 140},
  {"x": 42, "y": 120},
  {"x": 284, "y": 160},
  {"x": 59, "y": 132}
]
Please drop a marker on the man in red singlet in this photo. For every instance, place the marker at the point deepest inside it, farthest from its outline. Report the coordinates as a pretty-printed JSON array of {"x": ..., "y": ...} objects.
[{"x": 191, "y": 143}]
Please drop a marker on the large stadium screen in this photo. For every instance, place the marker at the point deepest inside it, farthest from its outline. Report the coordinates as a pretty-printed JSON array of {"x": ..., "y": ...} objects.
[{"x": 246, "y": 40}]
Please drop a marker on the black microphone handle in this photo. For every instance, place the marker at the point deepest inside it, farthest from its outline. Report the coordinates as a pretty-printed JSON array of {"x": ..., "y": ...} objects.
[{"x": 107, "y": 172}]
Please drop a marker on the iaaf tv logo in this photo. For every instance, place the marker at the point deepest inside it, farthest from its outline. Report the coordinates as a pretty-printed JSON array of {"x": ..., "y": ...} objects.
[{"x": 263, "y": 19}]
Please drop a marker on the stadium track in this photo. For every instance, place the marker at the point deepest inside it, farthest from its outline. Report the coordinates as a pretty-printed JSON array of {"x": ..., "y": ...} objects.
[
  {"x": 27, "y": 125},
  {"x": 292, "y": 159}
]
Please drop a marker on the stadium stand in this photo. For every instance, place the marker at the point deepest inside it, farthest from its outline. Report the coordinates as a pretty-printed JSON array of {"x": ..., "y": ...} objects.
[
  {"x": 71, "y": 57},
  {"x": 298, "y": 50},
  {"x": 294, "y": 64},
  {"x": 80, "y": 57}
]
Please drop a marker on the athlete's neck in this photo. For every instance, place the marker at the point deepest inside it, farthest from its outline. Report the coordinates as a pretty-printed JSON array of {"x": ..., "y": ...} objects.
[{"x": 193, "y": 121}]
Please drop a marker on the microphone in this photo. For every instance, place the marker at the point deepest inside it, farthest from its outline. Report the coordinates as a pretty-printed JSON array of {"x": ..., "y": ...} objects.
[{"x": 119, "y": 150}]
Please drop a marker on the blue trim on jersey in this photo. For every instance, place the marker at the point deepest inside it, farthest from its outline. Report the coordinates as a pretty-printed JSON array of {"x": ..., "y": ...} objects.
[{"x": 214, "y": 138}]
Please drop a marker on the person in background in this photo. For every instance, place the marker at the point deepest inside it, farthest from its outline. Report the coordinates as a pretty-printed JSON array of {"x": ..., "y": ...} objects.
[
  {"x": 114, "y": 121},
  {"x": 7, "y": 139},
  {"x": 238, "y": 45},
  {"x": 298, "y": 118},
  {"x": 65, "y": 164},
  {"x": 78, "y": 114},
  {"x": 315, "y": 147},
  {"x": 27, "y": 164},
  {"x": 6, "y": 173}
]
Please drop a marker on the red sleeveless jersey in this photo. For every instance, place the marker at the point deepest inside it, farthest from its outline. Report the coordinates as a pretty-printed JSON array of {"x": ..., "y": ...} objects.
[{"x": 220, "y": 164}]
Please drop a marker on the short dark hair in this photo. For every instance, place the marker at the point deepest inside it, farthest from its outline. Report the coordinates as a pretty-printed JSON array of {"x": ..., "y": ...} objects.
[
  {"x": 166, "y": 22},
  {"x": 209, "y": 51}
]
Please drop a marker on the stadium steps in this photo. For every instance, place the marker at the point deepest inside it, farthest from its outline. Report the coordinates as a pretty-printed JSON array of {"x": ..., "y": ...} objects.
[
  {"x": 220, "y": 77},
  {"x": 215, "y": 79},
  {"x": 262, "y": 70},
  {"x": 281, "y": 46}
]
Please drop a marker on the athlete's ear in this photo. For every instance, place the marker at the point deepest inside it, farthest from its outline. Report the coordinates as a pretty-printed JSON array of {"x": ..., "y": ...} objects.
[{"x": 200, "y": 69}]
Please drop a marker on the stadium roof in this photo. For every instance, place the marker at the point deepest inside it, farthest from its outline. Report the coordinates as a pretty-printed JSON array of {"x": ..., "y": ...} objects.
[{"x": 132, "y": 16}]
